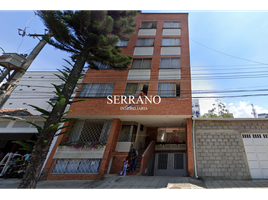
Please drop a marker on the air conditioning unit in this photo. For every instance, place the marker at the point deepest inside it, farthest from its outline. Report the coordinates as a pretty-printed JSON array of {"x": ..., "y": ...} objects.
[{"x": 11, "y": 60}]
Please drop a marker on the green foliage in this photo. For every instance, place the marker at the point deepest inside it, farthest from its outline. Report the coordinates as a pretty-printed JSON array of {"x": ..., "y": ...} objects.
[
  {"x": 27, "y": 146},
  {"x": 59, "y": 103},
  {"x": 222, "y": 111},
  {"x": 98, "y": 31}
]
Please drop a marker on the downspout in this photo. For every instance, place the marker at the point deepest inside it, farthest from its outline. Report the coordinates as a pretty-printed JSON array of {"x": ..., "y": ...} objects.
[{"x": 195, "y": 170}]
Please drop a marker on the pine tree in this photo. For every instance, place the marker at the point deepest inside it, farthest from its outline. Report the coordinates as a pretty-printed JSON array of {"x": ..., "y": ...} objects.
[{"x": 89, "y": 36}]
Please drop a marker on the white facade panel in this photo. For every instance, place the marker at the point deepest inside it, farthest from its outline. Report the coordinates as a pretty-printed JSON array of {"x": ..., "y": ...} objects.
[
  {"x": 141, "y": 51},
  {"x": 169, "y": 74},
  {"x": 139, "y": 74},
  {"x": 174, "y": 31},
  {"x": 170, "y": 50},
  {"x": 145, "y": 32}
]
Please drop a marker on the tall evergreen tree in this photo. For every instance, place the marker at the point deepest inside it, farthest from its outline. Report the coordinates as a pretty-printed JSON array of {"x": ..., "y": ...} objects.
[{"x": 89, "y": 36}]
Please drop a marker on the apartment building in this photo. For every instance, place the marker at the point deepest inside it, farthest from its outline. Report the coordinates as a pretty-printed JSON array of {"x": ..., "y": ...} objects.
[
  {"x": 148, "y": 106},
  {"x": 34, "y": 88}
]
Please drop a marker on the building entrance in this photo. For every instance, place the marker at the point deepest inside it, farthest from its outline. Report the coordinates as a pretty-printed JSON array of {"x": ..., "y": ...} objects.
[{"x": 170, "y": 164}]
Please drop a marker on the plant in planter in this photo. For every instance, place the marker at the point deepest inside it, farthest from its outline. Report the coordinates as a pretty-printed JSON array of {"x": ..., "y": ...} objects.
[
  {"x": 175, "y": 139},
  {"x": 81, "y": 145}
]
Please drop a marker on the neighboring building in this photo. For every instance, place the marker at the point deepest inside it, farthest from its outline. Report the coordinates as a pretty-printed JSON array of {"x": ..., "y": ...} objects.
[
  {"x": 159, "y": 129},
  {"x": 196, "y": 107},
  {"x": 263, "y": 115},
  {"x": 233, "y": 148},
  {"x": 35, "y": 88}
]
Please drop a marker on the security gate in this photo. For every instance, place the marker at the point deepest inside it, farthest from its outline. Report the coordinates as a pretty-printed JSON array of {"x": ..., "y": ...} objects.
[
  {"x": 256, "y": 148},
  {"x": 170, "y": 164}
]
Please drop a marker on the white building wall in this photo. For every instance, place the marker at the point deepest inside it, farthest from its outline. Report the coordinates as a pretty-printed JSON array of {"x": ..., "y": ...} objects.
[{"x": 34, "y": 88}]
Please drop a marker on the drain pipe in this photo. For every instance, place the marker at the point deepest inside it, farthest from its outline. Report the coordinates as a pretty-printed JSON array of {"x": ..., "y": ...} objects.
[{"x": 195, "y": 171}]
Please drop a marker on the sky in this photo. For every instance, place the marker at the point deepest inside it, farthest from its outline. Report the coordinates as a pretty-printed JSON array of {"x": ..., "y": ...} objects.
[{"x": 228, "y": 52}]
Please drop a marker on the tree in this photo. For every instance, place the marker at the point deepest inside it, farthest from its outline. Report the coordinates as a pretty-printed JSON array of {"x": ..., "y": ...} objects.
[
  {"x": 89, "y": 36},
  {"x": 222, "y": 111}
]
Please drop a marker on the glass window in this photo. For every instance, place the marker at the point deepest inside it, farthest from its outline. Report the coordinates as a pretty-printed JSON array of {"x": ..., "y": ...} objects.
[
  {"x": 96, "y": 90},
  {"x": 170, "y": 41},
  {"x": 145, "y": 42},
  {"x": 121, "y": 43},
  {"x": 173, "y": 135},
  {"x": 148, "y": 24},
  {"x": 144, "y": 63},
  {"x": 102, "y": 66},
  {"x": 170, "y": 63},
  {"x": 172, "y": 24},
  {"x": 168, "y": 89},
  {"x": 135, "y": 89}
]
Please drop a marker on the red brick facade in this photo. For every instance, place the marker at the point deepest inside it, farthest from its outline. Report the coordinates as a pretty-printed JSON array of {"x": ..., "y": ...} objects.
[{"x": 98, "y": 108}]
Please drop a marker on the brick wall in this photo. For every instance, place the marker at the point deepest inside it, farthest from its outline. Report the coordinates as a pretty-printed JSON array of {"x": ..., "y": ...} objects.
[{"x": 219, "y": 147}]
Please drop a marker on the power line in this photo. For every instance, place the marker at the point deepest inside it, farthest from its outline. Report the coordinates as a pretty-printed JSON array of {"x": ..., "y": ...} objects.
[{"x": 228, "y": 54}]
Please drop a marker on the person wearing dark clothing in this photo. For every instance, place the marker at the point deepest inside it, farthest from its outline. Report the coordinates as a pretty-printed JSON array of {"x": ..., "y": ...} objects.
[{"x": 134, "y": 159}]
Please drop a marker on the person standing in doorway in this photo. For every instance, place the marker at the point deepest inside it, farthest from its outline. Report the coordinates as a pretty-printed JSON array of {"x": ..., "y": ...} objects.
[{"x": 134, "y": 159}]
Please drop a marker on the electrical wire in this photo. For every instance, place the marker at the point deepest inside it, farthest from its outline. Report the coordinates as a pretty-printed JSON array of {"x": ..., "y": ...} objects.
[{"x": 228, "y": 54}]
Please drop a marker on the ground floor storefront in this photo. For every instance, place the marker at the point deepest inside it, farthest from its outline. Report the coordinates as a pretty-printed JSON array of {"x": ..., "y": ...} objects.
[{"x": 97, "y": 147}]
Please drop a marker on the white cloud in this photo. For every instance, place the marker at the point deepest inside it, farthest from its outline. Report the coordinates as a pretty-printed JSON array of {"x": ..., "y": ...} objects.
[
  {"x": 244, "y": 109},
  {"x": 230, "y": 104}
]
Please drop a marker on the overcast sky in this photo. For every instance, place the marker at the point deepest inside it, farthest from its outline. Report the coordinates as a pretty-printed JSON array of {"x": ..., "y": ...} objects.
[{"x": 229, "y": 48}]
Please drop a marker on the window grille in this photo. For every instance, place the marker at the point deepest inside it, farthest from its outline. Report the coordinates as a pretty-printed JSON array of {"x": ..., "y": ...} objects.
[
  {"x": 246, "y": 136},
  {"x": 265, "y": 135},
  {"x": 162, "y": 161},
  {"x": 256, "y": 135},
  {"x": 178, "y": 161},
  {"x": 76, "y": 166},
  {"x": 128, "y": 132},
  {"x": 90, "y": 131}
]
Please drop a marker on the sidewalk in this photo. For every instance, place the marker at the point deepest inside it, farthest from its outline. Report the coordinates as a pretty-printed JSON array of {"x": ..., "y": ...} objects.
[
  {"x": 142, "y": 182},
  {"x": 115, "y": 182}
]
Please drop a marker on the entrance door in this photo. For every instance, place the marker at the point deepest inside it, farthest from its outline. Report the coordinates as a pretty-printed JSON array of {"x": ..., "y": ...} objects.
[
  {"x": 256, "y": 148},
  {"x": 170, "y": 164}
]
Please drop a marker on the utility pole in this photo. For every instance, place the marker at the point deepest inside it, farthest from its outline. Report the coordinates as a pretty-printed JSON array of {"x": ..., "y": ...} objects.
[
  {"x": 17, "y": 74},
  {"x": 253, "y": 111}
]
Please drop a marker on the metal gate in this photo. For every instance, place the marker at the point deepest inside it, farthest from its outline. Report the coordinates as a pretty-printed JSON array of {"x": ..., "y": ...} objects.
[
  {"x": 170, "y": 164},
  {"x": 256, "y": 148}
]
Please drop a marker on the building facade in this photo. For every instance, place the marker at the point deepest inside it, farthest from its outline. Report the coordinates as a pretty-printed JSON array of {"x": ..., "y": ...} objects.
[
  {"x": 230, "y": 148},
  {"x": 34, "y": 88},
  {"x": 148, "y": 106}
]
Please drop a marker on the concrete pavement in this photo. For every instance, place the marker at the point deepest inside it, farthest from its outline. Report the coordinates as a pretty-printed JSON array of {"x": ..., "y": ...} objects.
[{"x": 142, "y": 182}]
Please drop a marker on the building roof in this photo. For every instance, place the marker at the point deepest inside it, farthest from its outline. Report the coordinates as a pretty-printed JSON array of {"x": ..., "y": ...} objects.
[{"x": 15, "y": 112}]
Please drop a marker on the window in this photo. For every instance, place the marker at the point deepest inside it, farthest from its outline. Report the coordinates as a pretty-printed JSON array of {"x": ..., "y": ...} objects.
[
  {"x": 148, "y": 24},
  {"x": 121, "y": 43},
  {"x": 135, "y": 89},
  {"x": 102, "y": 66},
  {"x": 96, "y": 90},
  {"x": 172, "y": 24},
  {"x": 76, "y": 166},
  {"x": 145, "y": 42},
  {"x": 170, "y": 63},
  {"x": 90, "y": 131},
  {"x": 128, "y": 132},
  {"x": 168, "y": 89},
  {"x": 171, "y": 42},
  {"x": 176, "y": 134},
  {"x": 141, "y": 63}
]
